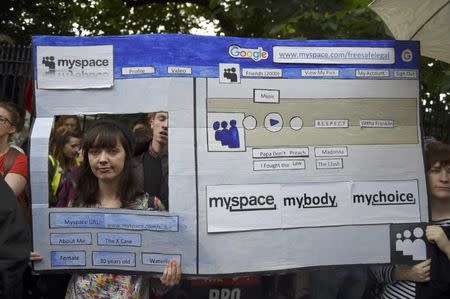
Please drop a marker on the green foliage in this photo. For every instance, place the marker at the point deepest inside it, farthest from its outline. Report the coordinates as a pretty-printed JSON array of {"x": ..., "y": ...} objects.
[
  {"x": 22, "y": 19},
  {"x": 292, "y": 19},
  {"x": 301, "y": 19}
]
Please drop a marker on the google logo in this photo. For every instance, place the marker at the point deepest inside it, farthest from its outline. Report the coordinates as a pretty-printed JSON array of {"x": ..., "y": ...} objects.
[{"x": 255, "y": 54}]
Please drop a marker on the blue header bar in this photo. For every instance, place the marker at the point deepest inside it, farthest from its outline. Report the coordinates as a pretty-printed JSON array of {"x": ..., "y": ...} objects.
[{"x": 162, "y": 55}]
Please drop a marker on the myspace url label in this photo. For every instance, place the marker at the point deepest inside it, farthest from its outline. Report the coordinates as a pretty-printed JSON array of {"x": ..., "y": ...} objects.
[{"x": 333, "y": 55}]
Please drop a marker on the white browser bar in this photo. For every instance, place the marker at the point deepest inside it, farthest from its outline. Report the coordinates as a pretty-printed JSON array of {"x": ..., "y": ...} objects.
[{"x": 333, "y": 55}]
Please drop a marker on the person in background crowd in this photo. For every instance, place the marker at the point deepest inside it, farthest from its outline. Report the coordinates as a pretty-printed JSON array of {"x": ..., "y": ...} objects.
[
  {"x": 139, "y": 124},
  {"x": 143, "y": 138},
  {"x": 71, "y": 122},
  {"x": 152, "y": 165},
  {"x": 62, "y": 160},
  {"x": 19, "y": 137},
  {"x": 15, "y": 244},
  {"x": 431, "y": 278},
  {"x": 13, "y": 163}
]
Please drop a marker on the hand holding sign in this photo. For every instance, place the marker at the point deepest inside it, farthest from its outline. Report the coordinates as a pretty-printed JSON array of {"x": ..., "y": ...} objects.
[
  {"x": 418, "y": 273},
  {"x": 172, "y": 274},
  {"x": 435, "y": 234}
]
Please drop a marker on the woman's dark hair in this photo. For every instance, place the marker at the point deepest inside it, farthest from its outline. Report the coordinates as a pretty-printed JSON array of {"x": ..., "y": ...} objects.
[
  {"x": 106, "y": 134},
  {"x": 57, "y": 142},
  {"x": 17, "y": 114},
  {"x": 437, "y": 151}
]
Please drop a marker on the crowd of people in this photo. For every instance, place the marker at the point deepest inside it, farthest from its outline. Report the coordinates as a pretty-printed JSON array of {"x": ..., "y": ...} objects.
[{"x": 110, "y": 165}]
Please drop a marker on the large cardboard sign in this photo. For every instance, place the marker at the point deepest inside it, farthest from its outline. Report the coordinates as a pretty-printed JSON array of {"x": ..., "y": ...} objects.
[{"x": 282, "y": 154}]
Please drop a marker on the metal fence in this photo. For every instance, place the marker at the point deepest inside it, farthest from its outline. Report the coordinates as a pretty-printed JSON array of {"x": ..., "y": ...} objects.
[{"x": 16, "y": 71}]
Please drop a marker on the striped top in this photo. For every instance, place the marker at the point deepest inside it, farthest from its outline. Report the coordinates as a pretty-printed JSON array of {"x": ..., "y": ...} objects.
[{"x": 404, "y": 289}]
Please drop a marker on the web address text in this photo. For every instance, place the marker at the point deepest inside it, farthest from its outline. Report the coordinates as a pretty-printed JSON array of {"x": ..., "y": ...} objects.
[{"x": 333, "y": 55}]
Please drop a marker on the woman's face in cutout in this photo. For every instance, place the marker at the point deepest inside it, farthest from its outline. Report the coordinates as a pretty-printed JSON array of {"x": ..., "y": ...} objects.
[
  {"x": 107, "y": 163},
  {"x": 439, "y": 181},
  {"x": 71, "y": 148}
]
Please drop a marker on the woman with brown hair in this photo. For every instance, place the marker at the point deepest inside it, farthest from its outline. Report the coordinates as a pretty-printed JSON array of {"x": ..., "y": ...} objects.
[
  {"x": 63, "y": 160},
  {"x": 106, "y": 180}
]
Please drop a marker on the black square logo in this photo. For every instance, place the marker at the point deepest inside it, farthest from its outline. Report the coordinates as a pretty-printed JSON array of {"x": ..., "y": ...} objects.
[{"x": 408, "y": 243}]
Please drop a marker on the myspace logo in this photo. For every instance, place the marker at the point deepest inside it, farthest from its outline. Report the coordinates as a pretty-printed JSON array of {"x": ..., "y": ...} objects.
[
  {"x": 70, "y": 64},
  {"x": 74, "y": 66}
]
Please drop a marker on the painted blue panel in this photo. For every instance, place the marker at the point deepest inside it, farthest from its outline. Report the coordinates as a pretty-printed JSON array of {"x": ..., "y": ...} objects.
[
  {"x": 119, "y": 239},
  {"x": 113, "y": 259},
  {"x": 204, "y": 53},
  {"x": 71, "y": 239},
  {"x": 68, "y": 258}
]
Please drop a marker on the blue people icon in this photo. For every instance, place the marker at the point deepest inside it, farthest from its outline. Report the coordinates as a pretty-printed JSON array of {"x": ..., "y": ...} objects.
[
  {"x": 227, "y": 136},
  {"x": 224, "y": 133},
  {"x": 234, "y": 135},
  {"x": 218, "y": 133}
]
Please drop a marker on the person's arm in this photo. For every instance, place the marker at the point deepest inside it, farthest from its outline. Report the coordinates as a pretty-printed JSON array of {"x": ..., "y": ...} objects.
[
  {"x": 16, "y": 177},
  {"x": 418, "y": 273},
  {"x": 435, "y": 234},
  {"x": 16, "y": 182}
]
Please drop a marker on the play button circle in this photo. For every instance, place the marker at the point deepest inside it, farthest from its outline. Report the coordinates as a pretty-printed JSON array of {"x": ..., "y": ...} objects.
[{"x": 273, "y": 122}]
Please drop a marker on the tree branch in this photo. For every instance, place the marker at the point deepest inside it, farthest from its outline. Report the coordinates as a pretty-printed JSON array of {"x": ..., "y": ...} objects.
[{"x": 204, "y": 3}]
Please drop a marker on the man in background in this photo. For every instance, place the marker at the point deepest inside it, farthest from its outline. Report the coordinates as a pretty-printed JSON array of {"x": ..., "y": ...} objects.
[{"x": 152, "y": 166}]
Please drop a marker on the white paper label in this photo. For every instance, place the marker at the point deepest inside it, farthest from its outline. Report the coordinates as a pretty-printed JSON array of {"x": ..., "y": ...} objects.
[
  {"x": 76, "y": 67},
  {"x": 331, "y": 123},
  {"x": 278, "y": 164},
  {"x": 372, "y": 73},
  {"x": 138, "y": 70},
  {"x": 320, "y": 73},
  {"x": 266, "y": 96},
  {"x": 179, "y": 70}
]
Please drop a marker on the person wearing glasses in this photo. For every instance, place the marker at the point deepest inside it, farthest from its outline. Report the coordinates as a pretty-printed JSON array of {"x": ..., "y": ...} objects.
[{"x": 13, "y": 164}]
